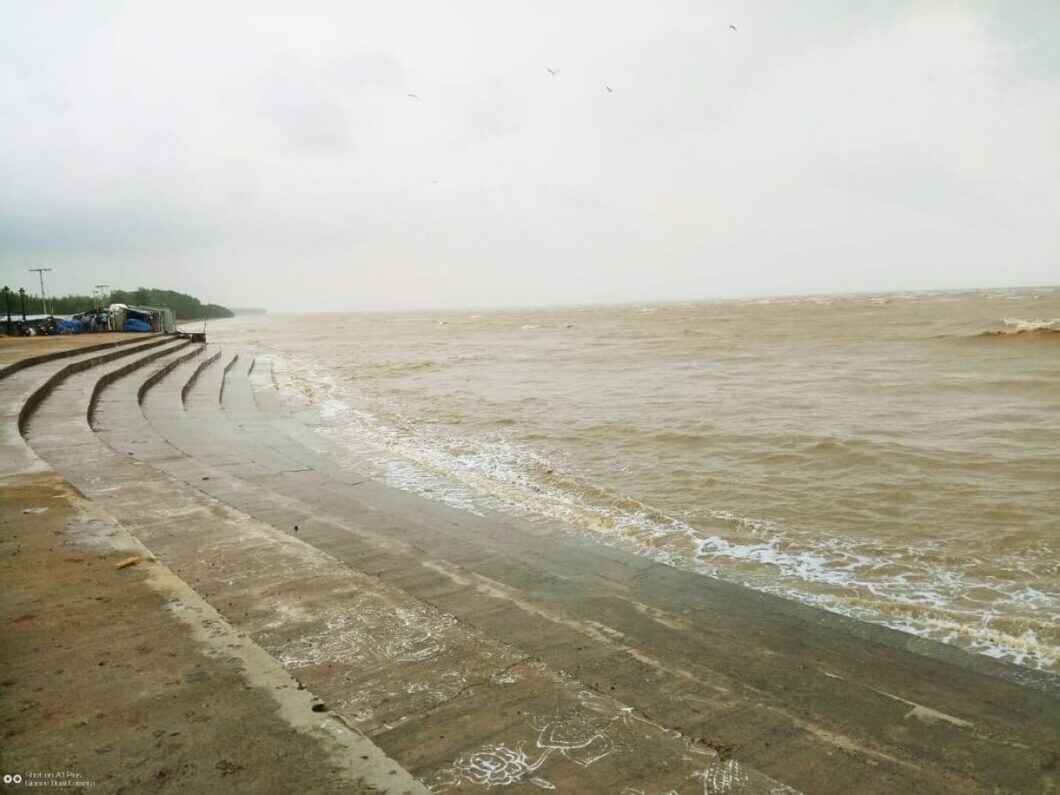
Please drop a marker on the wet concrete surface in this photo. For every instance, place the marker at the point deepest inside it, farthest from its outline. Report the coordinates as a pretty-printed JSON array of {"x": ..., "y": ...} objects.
[
  {"x": 479, "y": 651},
  {"x": 121, "y": 678}
]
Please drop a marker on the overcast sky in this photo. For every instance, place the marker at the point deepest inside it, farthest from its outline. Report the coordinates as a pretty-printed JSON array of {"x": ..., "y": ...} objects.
[{"x": 270, "y": 154}]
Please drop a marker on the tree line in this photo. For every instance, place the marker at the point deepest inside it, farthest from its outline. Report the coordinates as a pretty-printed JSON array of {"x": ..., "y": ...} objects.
[{"x": 186, "y": 307}]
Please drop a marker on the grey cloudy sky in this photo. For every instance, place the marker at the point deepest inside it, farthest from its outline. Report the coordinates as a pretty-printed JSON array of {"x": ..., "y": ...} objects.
[{"x": 269, "y": 154}]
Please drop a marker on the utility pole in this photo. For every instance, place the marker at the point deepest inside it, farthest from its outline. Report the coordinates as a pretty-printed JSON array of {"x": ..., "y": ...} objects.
[
  {"x": 22, "y": 301},
  {"x": 40, "y": 272},
  {"x": 101, "y": 293},
  {"x": 7, "y": 308}
]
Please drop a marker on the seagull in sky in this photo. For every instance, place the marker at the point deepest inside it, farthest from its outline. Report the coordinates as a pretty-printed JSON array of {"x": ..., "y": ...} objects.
[
  {"x": 415, "y": 97},
  {"x": 609, "y": 89},
  {"x": 733, "y": 28},
  {"x": 552, "y": 71}
]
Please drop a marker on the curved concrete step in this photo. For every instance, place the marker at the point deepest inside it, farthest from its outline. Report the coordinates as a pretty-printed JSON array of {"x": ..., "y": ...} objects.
[
  {"x": 59, "y": 419},
  {"x": 24, "y": 383},
  {"x": 206, "y": 391},
  {"x": 159, "y": 373},
  {"x": 238, "y": 399},
  {"x": 188, "y": 384},
  {"x": 109, "y": 375},
  {"x": 52, "y": 356},
  {"x": 118, "y": 419},
  {"x": 229, "y": 367},
  {"x": 239, "y": 436}
]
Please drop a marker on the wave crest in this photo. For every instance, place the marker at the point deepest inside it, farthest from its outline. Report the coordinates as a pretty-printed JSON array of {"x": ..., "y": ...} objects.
[
  {"x": 1016, "y": 326},
  {"x": 1033, "y": 325}
]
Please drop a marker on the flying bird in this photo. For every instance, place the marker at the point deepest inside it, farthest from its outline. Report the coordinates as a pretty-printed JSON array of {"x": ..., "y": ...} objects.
[
  {"x": 733, "y": 28},
  {"x": 609, "y": 89},
  {"x": 552, "y": 71},
  {"x": 415, "y": 97}
]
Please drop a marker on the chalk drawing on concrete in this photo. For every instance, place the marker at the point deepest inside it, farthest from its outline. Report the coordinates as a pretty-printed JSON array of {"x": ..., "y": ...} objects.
[
  {"x": 491, "y": 766},
  {"x": 581, "y": 739},
  {"x": 726, "y": 776}
]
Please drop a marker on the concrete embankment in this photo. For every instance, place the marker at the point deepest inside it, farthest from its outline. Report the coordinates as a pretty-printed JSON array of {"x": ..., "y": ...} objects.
[
  {"x": 477, "y": 651},
  {"x": 125, "y": 679}
]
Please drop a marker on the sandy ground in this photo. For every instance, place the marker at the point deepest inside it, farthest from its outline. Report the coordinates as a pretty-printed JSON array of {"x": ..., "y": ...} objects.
[
  {"x": 14, "y": 348},
  {"x": 102, "y": 684}
]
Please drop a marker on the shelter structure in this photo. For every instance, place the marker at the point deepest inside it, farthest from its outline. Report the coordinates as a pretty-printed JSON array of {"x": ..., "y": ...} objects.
[{"x": 142, "y": 318}]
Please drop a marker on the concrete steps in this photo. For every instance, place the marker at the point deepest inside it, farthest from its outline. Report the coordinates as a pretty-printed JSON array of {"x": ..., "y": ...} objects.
[
  {"x": 60, "y": 410},
  {"x": 129, "y": 494},
  {"x": 24, "y": 383},
  {"x": 117, "y": 417},
  {"x": 444, "y": 694},
  {"x": 445, "y": 635},
  {"x": 208, "y": 360},
  {"x": 205, "y": 390}
]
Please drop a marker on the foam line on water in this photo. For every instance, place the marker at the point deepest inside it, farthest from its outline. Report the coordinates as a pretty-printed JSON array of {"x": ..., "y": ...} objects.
[
  {"x": 1033, "y": 325},
  {"x": 490, "y": 472}
]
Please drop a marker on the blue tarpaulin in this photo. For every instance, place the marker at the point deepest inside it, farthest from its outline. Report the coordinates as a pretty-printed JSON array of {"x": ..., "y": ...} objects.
[{"x": 133, "y": 324}]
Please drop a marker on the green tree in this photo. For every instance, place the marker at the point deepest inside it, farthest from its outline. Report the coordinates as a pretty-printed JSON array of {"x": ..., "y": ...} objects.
[{"x": 186, "y": 307}]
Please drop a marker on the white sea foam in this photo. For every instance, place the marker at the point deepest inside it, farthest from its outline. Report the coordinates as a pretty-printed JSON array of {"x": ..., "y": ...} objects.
[
  {"x": 485, "y": 472},
  {"x": 1033, "y": 325}
]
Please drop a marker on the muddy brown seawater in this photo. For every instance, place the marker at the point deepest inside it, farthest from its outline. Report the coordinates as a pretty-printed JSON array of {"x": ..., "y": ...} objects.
[{"x": 889, "y": 457}]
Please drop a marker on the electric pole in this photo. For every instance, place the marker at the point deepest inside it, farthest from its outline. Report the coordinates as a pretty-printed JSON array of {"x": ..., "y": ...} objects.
[
  {"x": 40, "y": 272},
  {"x": 100, "y": 287}
]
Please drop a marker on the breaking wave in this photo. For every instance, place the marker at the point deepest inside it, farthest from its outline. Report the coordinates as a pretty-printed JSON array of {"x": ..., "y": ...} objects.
[
  {"x": 1033, "y": 325},
  {"x": 1016, "y": 326},
  {"x": 917, "y": 590}
]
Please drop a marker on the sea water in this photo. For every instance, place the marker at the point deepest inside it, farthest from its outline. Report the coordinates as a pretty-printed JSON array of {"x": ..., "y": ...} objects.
[{"x": 895, "y": 458}]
